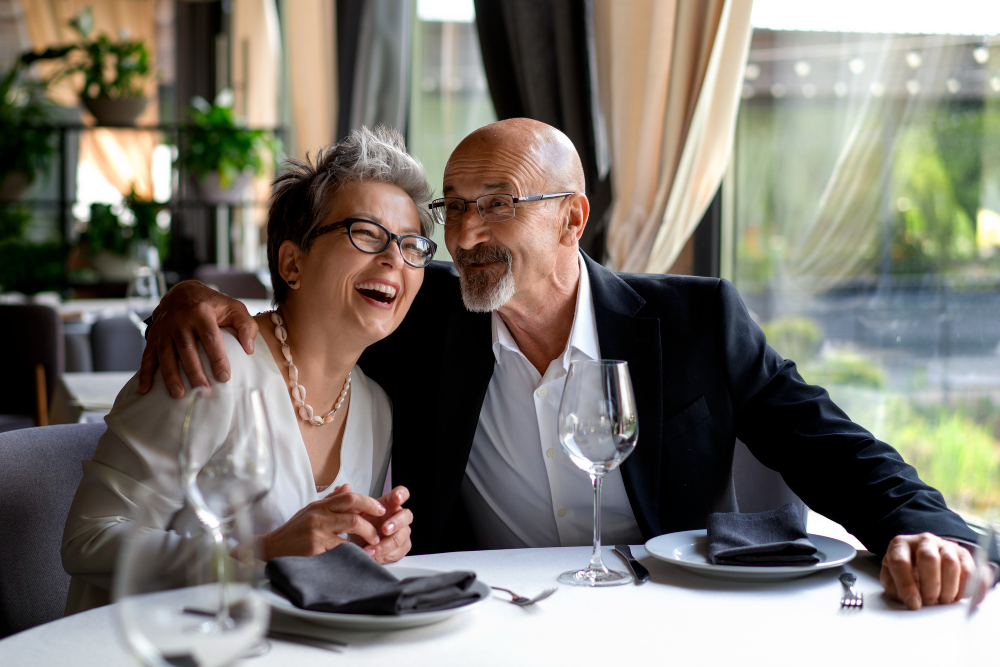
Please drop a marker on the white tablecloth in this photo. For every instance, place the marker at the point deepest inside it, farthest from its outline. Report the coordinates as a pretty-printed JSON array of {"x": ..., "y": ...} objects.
[
  {"x": 678, "y": 618},
  {"x": 85, "y": 396}
]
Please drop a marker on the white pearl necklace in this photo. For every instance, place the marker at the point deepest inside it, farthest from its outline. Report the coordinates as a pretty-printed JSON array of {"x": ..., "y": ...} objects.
[{"x": 298, "y": 391}]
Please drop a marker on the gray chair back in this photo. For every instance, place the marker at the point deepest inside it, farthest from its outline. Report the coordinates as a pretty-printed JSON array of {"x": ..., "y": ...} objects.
[
  {"x": 116, "y": 344},
  {"x": 759, "y": 488},
  {"x": 39, "y": 473},
  {"x": 34, "y": 335},
  {"x": 232, "y": 282}
]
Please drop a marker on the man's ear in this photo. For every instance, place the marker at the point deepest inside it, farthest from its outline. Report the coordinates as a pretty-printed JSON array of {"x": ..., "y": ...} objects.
[
  {"x": 575, "y": 213},
  {"x": 289, "y": 259}
]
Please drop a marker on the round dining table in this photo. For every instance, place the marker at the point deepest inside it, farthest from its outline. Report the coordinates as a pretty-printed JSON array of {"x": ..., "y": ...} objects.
[{"x": 677, "y": 618}]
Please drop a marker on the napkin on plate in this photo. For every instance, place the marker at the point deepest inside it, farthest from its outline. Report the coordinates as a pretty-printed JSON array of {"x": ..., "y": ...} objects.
[
  {"x": 345, "y": 580},
  {"x": 771, "y": 538}
]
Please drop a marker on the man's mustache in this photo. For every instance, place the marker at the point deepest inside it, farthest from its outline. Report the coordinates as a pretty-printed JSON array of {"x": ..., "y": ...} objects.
[{"x": 482, "y": 254}]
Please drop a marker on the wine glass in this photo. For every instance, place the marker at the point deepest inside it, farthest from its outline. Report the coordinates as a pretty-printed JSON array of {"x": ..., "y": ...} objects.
[
  {"x": 227, "y": 465},
  {"x": 598, "y": 429},
  {"x": 165, "y": 584},
  {"x": 146, "y": 285}
]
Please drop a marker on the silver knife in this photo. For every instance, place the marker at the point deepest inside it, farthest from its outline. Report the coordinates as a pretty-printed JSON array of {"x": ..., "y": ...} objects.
[{"x": 640, "y": 573}]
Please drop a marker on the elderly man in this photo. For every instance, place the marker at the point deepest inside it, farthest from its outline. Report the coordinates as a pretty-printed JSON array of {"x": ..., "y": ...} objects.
[{"x": 476, "y": 371}]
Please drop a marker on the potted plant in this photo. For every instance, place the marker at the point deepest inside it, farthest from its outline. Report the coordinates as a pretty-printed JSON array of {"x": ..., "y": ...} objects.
[
  {"x": 115, "y": 73},
  {"x": 221, "y": 153},
  {"x": 26, "y": 265},
  {"x": 118, "y": 233},
  {"x": 25, "y": 142}
]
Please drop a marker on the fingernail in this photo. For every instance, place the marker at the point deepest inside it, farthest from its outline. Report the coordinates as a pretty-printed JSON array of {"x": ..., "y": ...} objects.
[
  {"x": 913, "y": 602},
  {"x": 250, "y": 345},
  {"x": 381, "y": 510},
  {"x": 175, "y": 390},
  {"x": 370, "y": 551},
  {"x": 223, "y": 376},
  {"x": 389, "y": 527},
  {"x": 399, "y": 496}
]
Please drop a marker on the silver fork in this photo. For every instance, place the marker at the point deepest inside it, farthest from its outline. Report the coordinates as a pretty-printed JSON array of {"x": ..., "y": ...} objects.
[
  {"x": 853, "y": 598},
  {"x": 522, "y": 601}
]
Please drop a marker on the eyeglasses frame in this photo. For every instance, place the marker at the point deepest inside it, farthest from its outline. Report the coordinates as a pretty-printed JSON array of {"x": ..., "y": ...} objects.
[
  {"x": 398, "y": 238},
  {"x": 439, "y": 203}
]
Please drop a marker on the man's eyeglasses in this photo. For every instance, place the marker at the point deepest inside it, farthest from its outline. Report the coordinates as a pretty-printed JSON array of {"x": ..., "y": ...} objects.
[
  {"x": 372, "y": 238},
  {"x": 492, "y": 208}
]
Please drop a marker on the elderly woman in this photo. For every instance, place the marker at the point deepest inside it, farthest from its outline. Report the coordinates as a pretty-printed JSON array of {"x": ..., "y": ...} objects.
[{"x": 347, "y": 243}]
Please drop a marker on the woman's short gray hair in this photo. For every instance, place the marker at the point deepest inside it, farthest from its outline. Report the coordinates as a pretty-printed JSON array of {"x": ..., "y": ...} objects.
[{"x": 303, "y": 192}]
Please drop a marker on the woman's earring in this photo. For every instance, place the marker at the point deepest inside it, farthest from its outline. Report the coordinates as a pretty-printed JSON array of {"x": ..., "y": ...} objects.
[{"x": 291, "y": 282}]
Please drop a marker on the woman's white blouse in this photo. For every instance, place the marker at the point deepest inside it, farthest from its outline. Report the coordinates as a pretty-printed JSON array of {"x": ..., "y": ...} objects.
[{"x": 140, "y": 451}]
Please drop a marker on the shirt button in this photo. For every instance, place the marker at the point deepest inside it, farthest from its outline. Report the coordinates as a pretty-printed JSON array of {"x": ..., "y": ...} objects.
[
  {"x": 541, "y": 392},
  {"x": 562, "y": 511},
  {"x": 551, "y": 453}
]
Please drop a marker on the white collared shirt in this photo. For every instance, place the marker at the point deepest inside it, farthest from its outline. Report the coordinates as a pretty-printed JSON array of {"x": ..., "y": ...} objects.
[{"x": 520, "y": 487}]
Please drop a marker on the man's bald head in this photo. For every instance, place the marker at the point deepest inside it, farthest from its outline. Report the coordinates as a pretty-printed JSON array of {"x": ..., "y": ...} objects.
[{"x": 547, "y": 147}]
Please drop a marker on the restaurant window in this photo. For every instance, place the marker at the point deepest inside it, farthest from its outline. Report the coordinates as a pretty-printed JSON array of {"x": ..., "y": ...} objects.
[
  {"x": 449, "y": 97},
  {"x": 866, "y": 218}
]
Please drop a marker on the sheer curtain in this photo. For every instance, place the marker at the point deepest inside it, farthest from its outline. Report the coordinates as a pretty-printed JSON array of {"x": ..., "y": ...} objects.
[{"x": 670, "y": 76}]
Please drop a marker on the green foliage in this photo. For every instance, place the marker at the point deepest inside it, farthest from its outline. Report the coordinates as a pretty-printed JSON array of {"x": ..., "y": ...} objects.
[
  {"x": 13, "y": 219},
  {"x": 218, "y": 142},
  {"x": 110, "y": 68},
  {"x": 931, "y": 230},
  {"x": 845, "y": 367},
  {"x": 795, "y": 338},
  {"x": 115, "y": 227},
  {"x": 951, "y": 450},
  {"x": 27, "y": 267},
  {"x": 25, "y": 145}
]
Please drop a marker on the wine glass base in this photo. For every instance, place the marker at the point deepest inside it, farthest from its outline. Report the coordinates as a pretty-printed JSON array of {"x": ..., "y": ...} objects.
[{"x": 595, "y": 578}]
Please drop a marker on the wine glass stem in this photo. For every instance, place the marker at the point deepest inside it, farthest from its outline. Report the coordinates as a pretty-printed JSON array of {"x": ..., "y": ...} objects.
[
  {"x": 222, "y": 616},
  {"x": 596, "y": 561}
]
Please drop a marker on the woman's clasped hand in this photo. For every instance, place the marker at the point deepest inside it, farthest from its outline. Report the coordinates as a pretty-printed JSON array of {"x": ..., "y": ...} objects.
[{"x": 380, "y": 526}]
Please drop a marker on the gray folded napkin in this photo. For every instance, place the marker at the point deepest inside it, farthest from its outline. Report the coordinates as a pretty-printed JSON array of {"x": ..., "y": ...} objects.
[
  {"x": 345, "y": 580},
  {"x": 771, "y": 538}
]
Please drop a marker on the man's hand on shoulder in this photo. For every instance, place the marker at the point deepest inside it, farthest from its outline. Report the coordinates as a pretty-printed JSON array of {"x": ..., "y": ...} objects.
[
  {"x": 922, "y": 570},
  {"x": 188, "y": 313}
]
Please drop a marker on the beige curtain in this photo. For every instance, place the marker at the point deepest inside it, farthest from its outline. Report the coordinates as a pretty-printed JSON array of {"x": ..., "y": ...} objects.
[
  {"x": 124, "y": 157},
  {"x": 670, "y": 74},
  {"x": 310, "y": 31},
  {"x": 256, "y": 80}
]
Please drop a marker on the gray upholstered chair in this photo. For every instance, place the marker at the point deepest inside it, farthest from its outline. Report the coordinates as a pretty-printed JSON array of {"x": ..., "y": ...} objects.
[
  {"x": 759, "y": 488},
  {"x": 236, "y": 283},
  {"x": 116, "y": 345},
  {"x": 33, "y": 365},
  {"x": 39, "y": 472}
]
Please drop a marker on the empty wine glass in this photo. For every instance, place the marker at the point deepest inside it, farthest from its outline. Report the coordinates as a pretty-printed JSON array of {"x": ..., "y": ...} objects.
[
  {"x": 166, "y": 584},
  {"x": 598, "y": 429},
  {"x": 227, "y": 465}
]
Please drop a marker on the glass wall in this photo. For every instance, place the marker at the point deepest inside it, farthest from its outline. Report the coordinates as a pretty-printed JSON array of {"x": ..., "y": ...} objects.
[
  {"x": 450, "y": 97},
  {"x": 867, "y": 222}
]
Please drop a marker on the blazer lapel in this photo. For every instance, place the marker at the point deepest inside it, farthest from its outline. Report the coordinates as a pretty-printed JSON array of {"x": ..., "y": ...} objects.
[{"x": 623, "y": 335}]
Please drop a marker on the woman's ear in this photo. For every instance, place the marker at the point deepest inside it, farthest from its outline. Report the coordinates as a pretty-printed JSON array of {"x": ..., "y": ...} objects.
[{"x": 289, "y": 259}]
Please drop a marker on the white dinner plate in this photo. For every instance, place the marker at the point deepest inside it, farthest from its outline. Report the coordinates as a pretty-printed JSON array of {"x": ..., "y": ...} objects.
[
  {"x": 689, "y": 549},
  {"x": 370, "y": 622}
]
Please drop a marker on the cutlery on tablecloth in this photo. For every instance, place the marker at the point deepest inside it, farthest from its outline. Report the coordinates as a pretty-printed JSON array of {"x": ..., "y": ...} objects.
[
  {"x": 522, "y": 601},
  {"x": 640, "y": 573},
  {"x": 853, "y": 598}
]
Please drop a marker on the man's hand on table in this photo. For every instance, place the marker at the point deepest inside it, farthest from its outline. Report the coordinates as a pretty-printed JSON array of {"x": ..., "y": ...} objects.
[
  {"x": 923, "y": 570},
  {"x": 190, "y": 312}
]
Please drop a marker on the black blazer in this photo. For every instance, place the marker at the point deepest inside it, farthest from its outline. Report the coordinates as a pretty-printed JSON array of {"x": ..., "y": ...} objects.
[{"x": 703, "y": 376}]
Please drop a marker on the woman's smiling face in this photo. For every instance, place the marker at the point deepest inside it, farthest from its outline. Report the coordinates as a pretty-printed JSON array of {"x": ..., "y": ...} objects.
[{"x": 358, "y": 293}]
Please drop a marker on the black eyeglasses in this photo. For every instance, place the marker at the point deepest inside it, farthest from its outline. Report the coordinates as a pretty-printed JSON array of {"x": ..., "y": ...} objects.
[
  {"x": 372, "y": 238},
  {"x": 492, "y": 208}
]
